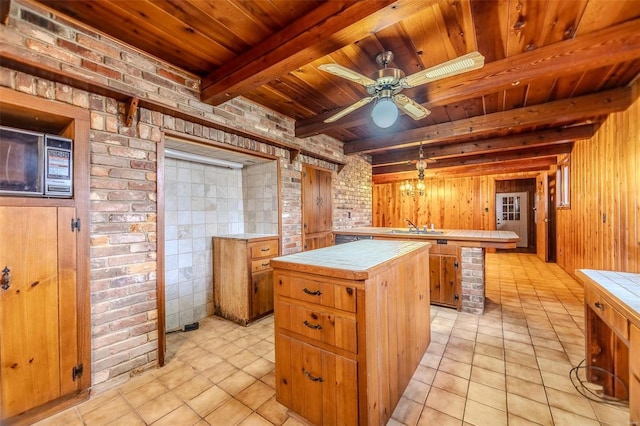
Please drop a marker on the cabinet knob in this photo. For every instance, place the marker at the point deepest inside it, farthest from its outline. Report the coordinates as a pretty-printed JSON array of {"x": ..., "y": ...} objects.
[{"x": 599, "y": 305}]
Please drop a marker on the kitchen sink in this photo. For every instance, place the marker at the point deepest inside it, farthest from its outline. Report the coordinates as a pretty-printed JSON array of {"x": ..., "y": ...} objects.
[{"x": 418, "y": 232}]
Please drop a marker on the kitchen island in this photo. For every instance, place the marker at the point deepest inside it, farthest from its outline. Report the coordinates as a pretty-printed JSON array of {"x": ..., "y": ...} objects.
[
  {"x": 352, "y": 323},
  {"x": 456, "y": 264}
]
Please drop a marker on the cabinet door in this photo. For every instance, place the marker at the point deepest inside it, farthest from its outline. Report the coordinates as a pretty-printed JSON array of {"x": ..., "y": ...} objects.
[
  {"x": 261, "y": 293},
  {"x": 37, "y": 307},
  {"x": 434, "y": 278},
  {"x": 634, "y": 373},
  {"x": 317, "y": 210},
  {"x": 319, "y": 385},
  {"x": 448, "y": 269}
]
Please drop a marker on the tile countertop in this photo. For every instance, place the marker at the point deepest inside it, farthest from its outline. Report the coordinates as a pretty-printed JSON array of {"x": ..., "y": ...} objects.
[
  {"x": 624, "y": 287},
  {"x": 350, "y": 261},
  {"x": 248, "y": 236},
  {"x": 508, "y": 238}
]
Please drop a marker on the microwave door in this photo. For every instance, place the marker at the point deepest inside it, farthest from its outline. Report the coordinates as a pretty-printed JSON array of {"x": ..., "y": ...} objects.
[{"x": 20, "y": 162}]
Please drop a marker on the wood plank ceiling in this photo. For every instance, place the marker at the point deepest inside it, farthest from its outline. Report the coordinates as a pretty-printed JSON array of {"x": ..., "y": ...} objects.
[{"x": 553, "y": 68}]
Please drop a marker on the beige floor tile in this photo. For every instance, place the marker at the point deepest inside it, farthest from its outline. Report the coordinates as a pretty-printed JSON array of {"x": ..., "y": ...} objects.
[
  {"x": 242, "y": 359},
  {"x": 98, "y": 400},
  {"x": 566, "y": 418},
  {"x": 480, "y": 415},
  {"x": 209, "y": 400},
  {"x": 488, "y": 377},
  {"x": 451, "y": 383},
  {"x": 259, "y": 368},
  {"x": 269, "y": 379},
  {"x": 456, "y": 368},
  {"x": 220, "y": 371},
  {"x": 159, "y": 407},
  {"x": 255, "y": 395},
  {"x": 530, "y": 374},
  {"x": 192, "y": 388},
  {"x": 489, "y": 363},
  {"x": 417, "y": 391},
  {"x": 489, "y": 350},
  {"x": 446, "y": 402},
  {"x": 131, "y": 418},
  {"x": 146, "y": 393},
  {"x": 68, "y": 417},
  {"x": 487, "y": 395},
  {"x": 431, "y": 417},
  {"x": 558, "y": 382},
  {"x": 230, "y": 413},
  {"x": 112, "y": 409},
  {"x": 182, "y": 415},
  {"x": 273, "y": 411},
  {"x": 262, "y": 348},
  {"x": 236, "y": 382},
  {"x": 528, "y": 409},
  {"x": 425, "y": 374},
  {"x": 407, "y": 411},
  {"x": 610, "y": 415},
  {"x": 526, "y": 389},
  {"x": 255, "y": 419},
  {"x": 572, "y": 403}
]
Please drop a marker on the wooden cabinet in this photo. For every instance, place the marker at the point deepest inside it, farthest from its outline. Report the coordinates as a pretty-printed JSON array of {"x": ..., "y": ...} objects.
[
  {"x": 317, "y": 210},
  {"x": 242, "y": 276},
  {"x": 350, "y": 331},
  {"x": 444, "y": 275},
  {"x": 45, "y": 350},
  {"x": 612, "y": 334}
]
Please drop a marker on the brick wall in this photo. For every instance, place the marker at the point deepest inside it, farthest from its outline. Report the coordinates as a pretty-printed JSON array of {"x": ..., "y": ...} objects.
[{"x": 124, "y": 170}]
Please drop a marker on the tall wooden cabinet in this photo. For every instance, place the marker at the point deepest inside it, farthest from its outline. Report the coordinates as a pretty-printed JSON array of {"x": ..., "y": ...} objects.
[
  {"x": 317, "y": 210},
  {"x": 242, "y": 276},
  {"x": 45, "y": 350}
]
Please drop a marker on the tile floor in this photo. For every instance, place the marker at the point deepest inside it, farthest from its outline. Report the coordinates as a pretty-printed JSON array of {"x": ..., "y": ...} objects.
[{"x": 509, "y": 366}]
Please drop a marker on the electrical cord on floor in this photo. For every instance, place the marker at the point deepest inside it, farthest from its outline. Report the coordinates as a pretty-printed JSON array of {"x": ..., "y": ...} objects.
[
  {"x": 187, "y": 327},
  {"x": 581, "y": 385}
]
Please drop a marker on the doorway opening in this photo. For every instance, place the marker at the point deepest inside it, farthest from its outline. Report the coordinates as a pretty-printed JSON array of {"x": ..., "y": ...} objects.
[{"x": 515, "y": 211}]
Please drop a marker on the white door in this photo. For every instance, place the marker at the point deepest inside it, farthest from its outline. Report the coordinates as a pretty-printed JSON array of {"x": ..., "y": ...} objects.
[{"x": 511, "y": 214}]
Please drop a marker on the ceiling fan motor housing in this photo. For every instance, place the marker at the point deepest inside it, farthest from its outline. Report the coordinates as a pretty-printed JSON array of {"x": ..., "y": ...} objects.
[{"x": 386, "y": 79}]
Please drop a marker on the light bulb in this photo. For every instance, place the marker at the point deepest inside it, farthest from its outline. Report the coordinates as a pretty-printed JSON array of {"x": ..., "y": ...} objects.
[{"x": 384, "y": 113}]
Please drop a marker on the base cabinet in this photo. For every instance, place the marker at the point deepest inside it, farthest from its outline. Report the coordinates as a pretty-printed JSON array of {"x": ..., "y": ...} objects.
[
  {"x": 348, "y": 342},
  {"x": 242, "y": 276},
  {"x": 634, "y": 375}
]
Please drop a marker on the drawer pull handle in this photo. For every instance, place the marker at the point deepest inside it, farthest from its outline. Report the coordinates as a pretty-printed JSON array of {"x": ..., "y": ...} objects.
[
  {"x": 599, "y": 305},
  {"x": 265, "y": 264},
  {"x": 315, "y": 327},
  {"x": 265, "y": 249},
  {"x": 311, "y": 377},
  {"x": 312, "y": 293},
  {"x": 6, "y": 278}
]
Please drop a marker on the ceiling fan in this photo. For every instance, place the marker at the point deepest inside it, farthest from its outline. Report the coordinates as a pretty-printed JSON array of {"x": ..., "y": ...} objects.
[{"x": 385, "y": 86}]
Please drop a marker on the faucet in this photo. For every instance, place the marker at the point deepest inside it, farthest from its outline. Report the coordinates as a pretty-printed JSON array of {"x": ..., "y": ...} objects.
[{"x": 411, "y": 224}]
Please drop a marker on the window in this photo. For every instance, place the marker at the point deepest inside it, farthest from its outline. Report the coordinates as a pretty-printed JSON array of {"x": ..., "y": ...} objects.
[{"x": 563, "y": 182}]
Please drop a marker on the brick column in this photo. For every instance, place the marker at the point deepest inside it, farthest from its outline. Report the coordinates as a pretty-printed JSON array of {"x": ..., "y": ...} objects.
[{"x": 472, "y": 280}]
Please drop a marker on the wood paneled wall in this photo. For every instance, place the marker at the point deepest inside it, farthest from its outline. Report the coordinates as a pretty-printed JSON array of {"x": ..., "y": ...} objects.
[
  {"x": 601, "y": 230},
  {"x": 448, "y": 203}
]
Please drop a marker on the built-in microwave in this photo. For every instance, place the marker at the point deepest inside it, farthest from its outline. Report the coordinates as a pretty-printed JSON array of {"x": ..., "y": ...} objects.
[{"x": 35, "y": 164}]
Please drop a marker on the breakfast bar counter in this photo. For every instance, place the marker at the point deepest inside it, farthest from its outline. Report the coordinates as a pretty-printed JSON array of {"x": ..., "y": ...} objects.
[
  {"x": 352, "y": 323},
  {"x": 456, "y": 263}
]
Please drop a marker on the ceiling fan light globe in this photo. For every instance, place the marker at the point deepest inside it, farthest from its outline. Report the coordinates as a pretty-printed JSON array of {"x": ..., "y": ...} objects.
[
  {"x": 384, "y": 113},
  {"x": 421, "y": 165}
]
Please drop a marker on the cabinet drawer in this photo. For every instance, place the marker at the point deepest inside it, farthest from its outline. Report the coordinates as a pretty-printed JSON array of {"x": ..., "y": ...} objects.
[
  {"x": 263, "y": 249},
  {"x": 259, "y": 265},
  {"x": 335, "y": 330},
  {"x": 608, "y": 313},
  {"x": 322, "y": 293},
  {"x": 318, "y": 385}
]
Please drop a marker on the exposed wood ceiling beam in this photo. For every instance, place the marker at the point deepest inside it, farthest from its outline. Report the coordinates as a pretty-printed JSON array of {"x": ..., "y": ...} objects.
[
  {"x": 474, "y": 160},
  {"x": 556, "y": 113},
  {"x": 507, "y": 143},
  {"x": 346, "y": 21},
  {"x": 505, "y": 167},
  {"x": 607, "y": 47}
]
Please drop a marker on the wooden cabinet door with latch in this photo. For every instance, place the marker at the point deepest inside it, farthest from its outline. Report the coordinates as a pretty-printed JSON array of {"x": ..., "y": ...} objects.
[{"x": 38, "y": 339}]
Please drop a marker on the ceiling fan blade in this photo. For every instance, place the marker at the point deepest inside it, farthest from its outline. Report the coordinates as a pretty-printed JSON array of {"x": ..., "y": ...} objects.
[
  {"x": 349, "y": 109},
  {"x": 347, "y": 73},
  {"x": 410, "y": 107},
  {"x": 462, "y": 64}
]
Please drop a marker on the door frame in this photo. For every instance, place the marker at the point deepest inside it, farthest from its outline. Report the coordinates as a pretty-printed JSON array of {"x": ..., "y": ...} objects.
[
  {"x": 75, "y": 122},
  {"x": 542, "y": 216}
]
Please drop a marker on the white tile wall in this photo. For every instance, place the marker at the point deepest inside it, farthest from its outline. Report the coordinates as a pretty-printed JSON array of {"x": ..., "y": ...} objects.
[{"x": 202, "y": 201}]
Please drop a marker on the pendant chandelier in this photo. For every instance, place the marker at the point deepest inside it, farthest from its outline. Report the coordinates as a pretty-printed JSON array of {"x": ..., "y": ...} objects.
[{"x": 408, "y": 187}]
